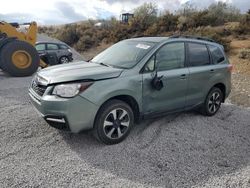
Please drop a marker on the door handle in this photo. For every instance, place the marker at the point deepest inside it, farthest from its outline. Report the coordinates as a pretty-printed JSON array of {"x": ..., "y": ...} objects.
[
  {"x": 183, "y": 76},
  {"x": 211, "y": 70}
]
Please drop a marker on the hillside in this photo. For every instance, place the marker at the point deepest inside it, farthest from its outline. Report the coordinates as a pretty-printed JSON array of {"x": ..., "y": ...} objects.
[{"x": 147, "y": 21}]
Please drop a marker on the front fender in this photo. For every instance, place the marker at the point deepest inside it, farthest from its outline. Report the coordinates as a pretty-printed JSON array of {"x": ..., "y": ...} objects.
[{"x": 101, "y": 91}]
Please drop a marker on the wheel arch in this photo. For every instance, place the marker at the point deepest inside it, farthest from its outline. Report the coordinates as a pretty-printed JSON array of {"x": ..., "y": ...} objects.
[
  {"x": 128, "y": 99},
  {"x": 62, "y": 57},
  {"x": 222, "y": 87}
]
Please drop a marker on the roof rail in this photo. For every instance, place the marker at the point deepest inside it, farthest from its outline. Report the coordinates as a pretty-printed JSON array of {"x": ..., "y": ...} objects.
[
  {"x": 139, "y": 36},
  {"x": 193, "y": 37}
]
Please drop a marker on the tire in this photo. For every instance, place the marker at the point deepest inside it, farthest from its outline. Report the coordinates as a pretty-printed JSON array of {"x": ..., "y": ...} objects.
[
  {"x": 213, "y": 102},
  {"x": 64, "y": 60},
  {"x": 24, "y": 66},
  {"x": 109, "y": 129}
]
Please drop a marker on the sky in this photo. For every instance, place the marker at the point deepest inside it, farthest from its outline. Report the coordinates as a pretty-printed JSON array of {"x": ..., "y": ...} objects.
[{"x": 50, "y": 12}]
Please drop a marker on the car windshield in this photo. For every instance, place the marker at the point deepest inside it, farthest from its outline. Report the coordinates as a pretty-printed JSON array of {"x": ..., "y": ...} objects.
[{"x": 124, "y": 54}]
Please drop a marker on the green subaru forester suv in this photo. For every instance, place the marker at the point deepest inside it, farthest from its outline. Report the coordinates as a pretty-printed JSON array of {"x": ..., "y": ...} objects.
[{"x": 131, "y": 80}]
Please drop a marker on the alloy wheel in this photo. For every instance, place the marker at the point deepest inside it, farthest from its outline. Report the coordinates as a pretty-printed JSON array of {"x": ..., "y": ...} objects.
[
  {"x": 64, "y": 60},
  {"x": 116, "y": 123},
  {"x": 214, "y": 102}
]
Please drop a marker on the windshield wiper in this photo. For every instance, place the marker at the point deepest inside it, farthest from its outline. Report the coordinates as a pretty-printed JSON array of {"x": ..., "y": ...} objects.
[
  {"x": 104, "y": 64},
  {"x": 107, "y": 65}
]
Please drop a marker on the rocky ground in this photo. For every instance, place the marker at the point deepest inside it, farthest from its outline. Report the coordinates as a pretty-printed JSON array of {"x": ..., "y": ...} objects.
[{"x": 181, "y": 150}]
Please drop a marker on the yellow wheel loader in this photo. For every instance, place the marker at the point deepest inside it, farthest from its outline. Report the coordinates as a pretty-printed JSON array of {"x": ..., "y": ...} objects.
[{"x": 18, "y": 56}]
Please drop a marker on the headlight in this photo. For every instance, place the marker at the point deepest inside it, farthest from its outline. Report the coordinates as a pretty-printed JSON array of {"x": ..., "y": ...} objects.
[{"x": 70, "y": 90}]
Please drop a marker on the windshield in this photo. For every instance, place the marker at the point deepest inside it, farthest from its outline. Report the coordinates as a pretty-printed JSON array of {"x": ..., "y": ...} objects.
[{"x": 124, "y": 54}]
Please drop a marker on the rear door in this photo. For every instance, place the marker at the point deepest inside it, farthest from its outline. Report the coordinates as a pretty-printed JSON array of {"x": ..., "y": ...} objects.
[
  {"x": 53, "y": 48},
  {"x": 201, "y": 72}
]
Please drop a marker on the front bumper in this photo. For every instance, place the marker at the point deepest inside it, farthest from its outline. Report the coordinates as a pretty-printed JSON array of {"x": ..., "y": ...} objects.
[
  {"x": 70, "y": 57},
  {"x": 73, "y": 114}
]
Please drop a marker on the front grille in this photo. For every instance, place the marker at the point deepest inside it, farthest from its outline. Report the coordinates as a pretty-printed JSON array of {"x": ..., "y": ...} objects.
[{"x": 39, "y": 89}]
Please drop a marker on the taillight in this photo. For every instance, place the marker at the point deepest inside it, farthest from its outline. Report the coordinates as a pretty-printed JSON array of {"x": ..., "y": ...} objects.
[{"x": 230, "y": 67}]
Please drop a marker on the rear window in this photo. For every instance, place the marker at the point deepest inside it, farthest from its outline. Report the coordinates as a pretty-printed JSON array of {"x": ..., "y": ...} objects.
[
  {"x": 198, "y": 54},
  {"x": 216, "y": 53}
]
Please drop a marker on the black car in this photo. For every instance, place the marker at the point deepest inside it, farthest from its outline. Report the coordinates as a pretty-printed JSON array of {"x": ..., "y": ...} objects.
[{"x": 59, "y": 52}]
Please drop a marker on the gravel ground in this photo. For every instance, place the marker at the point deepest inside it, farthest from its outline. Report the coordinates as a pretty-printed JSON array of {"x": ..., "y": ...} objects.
[
  {"x": 240, "y": 94},
  {"x": 180, "y": 150}
]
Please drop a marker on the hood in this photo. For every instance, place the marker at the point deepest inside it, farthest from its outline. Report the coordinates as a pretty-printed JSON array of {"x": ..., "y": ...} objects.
[{"x": 77, "y": 71}]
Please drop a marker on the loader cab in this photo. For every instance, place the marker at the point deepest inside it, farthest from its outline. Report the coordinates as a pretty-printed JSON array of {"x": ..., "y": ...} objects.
[{"x": 125, "y": 17}]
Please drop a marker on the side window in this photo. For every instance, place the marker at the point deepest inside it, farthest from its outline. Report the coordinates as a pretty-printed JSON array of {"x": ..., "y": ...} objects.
[
  {"x": 62, "y": 46},
  {"x": 52, "y": 47},
  {"x": 150, "y": 66},
  {"x": 198, "y": 54},
  {"x": 40, "y": 47},
  {"x": 216, "y": 53},
  {"x": 171, "y": 56}
]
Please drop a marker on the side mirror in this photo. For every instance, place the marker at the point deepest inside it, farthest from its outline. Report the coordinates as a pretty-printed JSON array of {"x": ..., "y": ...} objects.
[{"x": 157, "y": 82}]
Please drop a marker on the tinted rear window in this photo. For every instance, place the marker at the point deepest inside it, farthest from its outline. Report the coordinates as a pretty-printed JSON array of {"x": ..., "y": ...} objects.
[
  {"x": 216, "y": 53},
  {"x": 198, "y": 54}
]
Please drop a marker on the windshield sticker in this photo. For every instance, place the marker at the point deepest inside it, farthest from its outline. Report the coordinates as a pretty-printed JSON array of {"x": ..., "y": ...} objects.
[{"x": 142, "y": 46}]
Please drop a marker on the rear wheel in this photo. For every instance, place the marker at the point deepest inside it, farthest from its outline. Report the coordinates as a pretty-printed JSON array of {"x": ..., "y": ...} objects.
[
  {"x": 213, "y": 102},
  {"x": 113, "y": 122},
  {"x": 19, "y": 58}
]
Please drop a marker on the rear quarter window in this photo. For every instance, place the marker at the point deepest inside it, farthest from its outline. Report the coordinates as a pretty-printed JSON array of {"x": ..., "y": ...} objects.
[
  {"x": 62, "y": 46},
  {"x": 198, "y": 54},
  {"x": 216, "y": 53}
]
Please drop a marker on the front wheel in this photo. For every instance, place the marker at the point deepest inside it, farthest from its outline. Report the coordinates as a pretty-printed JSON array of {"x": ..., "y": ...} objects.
[
  {"x": 213, "y": 102},
  {"x": 113, "y": 122},
  {"x": 64, "y": 59}
]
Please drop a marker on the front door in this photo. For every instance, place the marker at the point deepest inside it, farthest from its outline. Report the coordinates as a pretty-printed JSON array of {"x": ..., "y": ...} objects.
[{"x": 169, "y": 62}]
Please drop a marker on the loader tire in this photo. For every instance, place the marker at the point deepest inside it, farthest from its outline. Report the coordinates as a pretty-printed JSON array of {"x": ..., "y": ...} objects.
[{"x": 19, "y": 58}]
